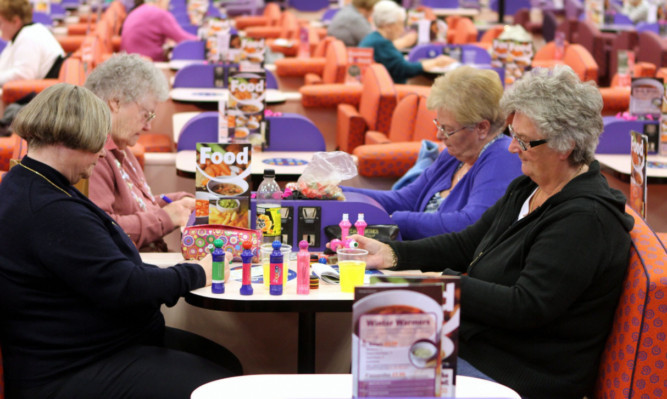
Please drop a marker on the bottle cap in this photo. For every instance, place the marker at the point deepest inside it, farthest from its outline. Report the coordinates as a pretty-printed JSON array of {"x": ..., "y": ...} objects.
[
  {"x": 247, "y": 244},
  {"x": 360, "y": 216},
  {"x": 346, "y": 216},
  {"x": 218, "y": 243},
  {"x": 303, "y": 244},
  {"x": 269, "y": 173}
]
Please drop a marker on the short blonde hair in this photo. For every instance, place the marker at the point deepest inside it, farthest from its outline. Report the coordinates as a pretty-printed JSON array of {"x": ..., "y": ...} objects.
[
  {"x": 387, "y": 12},
  {"x": 472, "y": 95},
  {"x": 65, "y": 114},
  {"x": 16, "y": 8}
]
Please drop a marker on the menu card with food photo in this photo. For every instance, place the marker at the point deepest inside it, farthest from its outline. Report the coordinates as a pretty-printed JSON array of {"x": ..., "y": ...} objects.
[
  {"x": 449, "y": 337},
  {"x": 396, "y": 346},
  {"x": 358, "y": 59},
  {"x": 245, "y": 107},
  {"x": 594, "y": 11},
  {"x": 638, "y": 186},
  {"x": 646, "y": 97},
  {"x": 216, "y": 34},
  {"x": 222, "y": 184},
  {"x": 251, "y": 58}
]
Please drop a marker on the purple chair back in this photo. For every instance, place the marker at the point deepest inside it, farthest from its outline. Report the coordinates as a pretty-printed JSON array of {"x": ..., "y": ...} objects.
[
  {"x": 648, "y": 27},
  {"x": 289, "y": 132},
  {"x": 201, "y": 76},
  {"x": 244, "y": 7},
  {"x": 329, "y": 14},
  {"x": 440, "y": 3},
  {"x": 430, "y": 50},
  {"x": 511, "y": 6},
  {"x": 622, "y": 19},
  {"x": 615, "y": 137},
  {"x": 42, "y": 18},
  {"x": 2, "y": 45},
  {"x": 189, "y": 50},
  {"x": 308, "y": 5}
]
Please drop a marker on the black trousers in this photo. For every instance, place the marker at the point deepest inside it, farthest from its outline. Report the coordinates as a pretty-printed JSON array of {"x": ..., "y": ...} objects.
[{"x": 144, "y": 372}]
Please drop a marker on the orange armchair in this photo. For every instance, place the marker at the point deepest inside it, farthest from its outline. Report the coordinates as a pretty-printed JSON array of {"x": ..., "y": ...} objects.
[
  {"x": 302, "y": 66},
  {"x": 335, "y": 66},
  {"x": 631, "y": 362},
  {"x": 270, "y": 17},
  {"x": 616, "y": 98},
  {"x": 463, "y": 32},
  {"x": 376, "y": 104},
  {"x": 394, "y": 154},
  {"x": 575, "y": 56}
]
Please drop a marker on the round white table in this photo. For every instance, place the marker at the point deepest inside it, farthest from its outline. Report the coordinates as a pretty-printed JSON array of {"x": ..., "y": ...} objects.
[{"x": 329, "y": 386}]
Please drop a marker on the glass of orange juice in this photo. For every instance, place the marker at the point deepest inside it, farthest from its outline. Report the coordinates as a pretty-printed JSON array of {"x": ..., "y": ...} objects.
[{"x": 352, "y": 267}]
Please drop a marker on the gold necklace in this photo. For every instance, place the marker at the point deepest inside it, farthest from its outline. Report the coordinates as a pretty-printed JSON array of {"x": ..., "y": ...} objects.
[
  {"x": 533, "y": 200},
  {"x": 45, "y": 178}
]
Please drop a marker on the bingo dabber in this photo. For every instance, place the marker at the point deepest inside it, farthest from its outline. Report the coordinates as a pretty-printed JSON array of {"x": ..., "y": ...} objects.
[
  {"x": 246, "y": 257},
  {"x": 276, "y": 270},
  {"x": 218, "y": 286}
]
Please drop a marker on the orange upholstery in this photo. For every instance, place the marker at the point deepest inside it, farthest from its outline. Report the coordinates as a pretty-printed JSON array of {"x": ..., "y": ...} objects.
[
  {"x": 138, "y": 150},
  {"x": 302, "y": 66},
  {"x": 393, "y": 154},
  {"x": 156, "y": 142},
  {"x": 16, "y": 89},
  {"x": 616, "y": 98},
  {"x": 70, "y": 43},
  {"x": 335, "y": 66},
  {"x": 663, "y": 238},
  {"x": 546, "y": 56},
  {"x": 8, "y": 148},
  {"x": 581, "y": 61},
  {"x": 632, "y": 363},
  {"x": 270, "y": 17},
  {"x": 377, "y": 103},
  {"x": 464, "y": 32},
  {"x": 287, "y": 28}
]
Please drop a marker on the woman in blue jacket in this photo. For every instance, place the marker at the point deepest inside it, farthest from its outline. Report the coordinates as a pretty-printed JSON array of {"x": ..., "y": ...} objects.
[{"x": 474, "y": 170}]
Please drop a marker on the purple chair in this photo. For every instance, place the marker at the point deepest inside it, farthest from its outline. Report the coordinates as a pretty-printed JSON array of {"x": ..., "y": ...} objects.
[
  {"x": 244, "y": 7},
  {"x": 329, "y": 14},
  {"x": 42, "y": 18},
  {"x": 189, "y": 50},
  {"x": 622, "y": 19},
  {"x": 2, "y": 45},
  {"x": 511, "y": 6},
  {"x": 430, "y": 50},
  {"x": 648, "y": 27},
  {"x": 289, "y": 132},
  {"x": 202, "y": 76},
  {"x": 308, "y": 5},
  {"x": 615, "y": 137},
  {"x": 440, "y": 3}
]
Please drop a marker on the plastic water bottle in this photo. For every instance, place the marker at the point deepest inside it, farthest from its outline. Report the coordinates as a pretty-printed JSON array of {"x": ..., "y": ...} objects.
[{"x": 268, "y": 199}]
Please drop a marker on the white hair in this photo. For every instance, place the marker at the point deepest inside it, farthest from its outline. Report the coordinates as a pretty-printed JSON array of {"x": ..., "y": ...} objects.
[{"x": 387, "y": 12}]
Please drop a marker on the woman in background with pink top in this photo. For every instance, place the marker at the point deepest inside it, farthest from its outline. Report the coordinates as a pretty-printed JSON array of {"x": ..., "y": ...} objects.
[{"x": 148, "y": 27}]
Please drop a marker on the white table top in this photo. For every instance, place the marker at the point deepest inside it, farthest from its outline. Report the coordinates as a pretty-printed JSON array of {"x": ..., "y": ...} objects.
[
  {"x": 185, "y": 161},
  {"x": 621, "y": 163},
  {"x": 464, "y": 12},
  {"x": 214, "y": 95},
  {"x": 320, "y": 386}
]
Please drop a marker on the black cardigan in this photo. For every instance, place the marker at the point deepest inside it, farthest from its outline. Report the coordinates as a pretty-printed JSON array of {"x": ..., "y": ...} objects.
[
  {"x": 73, "y": 289},
  {"x": 540, "y": 293}
]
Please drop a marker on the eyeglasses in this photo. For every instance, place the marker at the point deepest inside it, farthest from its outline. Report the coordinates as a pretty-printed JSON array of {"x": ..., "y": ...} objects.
[
  {"x": 441, "y": 129},
  {"x": 148, "y": 115},
  {"x": 525, "y": 146}
]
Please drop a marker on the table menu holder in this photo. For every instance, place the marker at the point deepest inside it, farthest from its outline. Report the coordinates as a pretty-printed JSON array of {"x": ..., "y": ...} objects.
[
  {"x": 309, "y": 226},
  {"x": 396, "y": 340},
  {"x": 638, "y": 179}
]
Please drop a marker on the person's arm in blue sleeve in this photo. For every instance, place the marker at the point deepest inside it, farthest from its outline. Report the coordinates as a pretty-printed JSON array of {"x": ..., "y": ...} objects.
[{"x": 489, "y": 182}]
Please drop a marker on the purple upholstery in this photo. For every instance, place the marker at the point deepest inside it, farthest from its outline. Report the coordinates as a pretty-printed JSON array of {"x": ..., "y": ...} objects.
[
  {"x": 288, "y": 132},
  {"x": 201, "y": 76},
  {"x": 440, "y": 3},
  {"x": 615, "y": 137},
  {"x": 329, "y": 14},
  {"x": 2, "y": 45},
  {"x": 622, "y": 19},
  {"x": 422, "y": 51},
  {"x": 511, "y": 6},
  {"x": 244, "y": 7},
  {"x": 308, "y": 5},
  {"x": 42, "y": 18},
  {"x": 189, "y": 50},
  {"x": 648, "y": 27}
]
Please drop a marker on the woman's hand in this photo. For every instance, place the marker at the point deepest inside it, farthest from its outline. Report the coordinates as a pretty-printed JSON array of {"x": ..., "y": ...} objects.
[
  {"x": 180, "y": 210},
  {"x": 380, "y": 255},
  {"x": 437, "y": 62},
  {"x": 207, "y": 264}
]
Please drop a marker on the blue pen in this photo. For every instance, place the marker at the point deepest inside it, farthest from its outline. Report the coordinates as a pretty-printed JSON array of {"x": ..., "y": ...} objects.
[{"x": 166, "y": 199}]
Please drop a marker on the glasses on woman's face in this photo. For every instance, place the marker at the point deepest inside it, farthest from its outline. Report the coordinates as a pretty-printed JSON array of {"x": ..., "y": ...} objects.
[
  {"x": 147, "y": 115},
  {"x": 442, "y": 129},
  {"x": 525, "y": 146}
]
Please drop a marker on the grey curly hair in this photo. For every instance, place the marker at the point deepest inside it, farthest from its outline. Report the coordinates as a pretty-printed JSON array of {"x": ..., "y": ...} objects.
[
  {"x": 128, "y": 78},
  {"x": 564, "y": 109}
]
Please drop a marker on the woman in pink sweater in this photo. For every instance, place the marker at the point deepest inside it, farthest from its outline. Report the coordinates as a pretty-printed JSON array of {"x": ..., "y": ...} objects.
[{"x": 148, "y": 27}]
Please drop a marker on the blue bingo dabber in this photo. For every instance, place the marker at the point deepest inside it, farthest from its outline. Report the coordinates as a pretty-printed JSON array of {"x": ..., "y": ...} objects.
[
  {"x": 276, "y": 270},
  {"x": 246, "y": 257},
  {"x": 218, "y": 286}
]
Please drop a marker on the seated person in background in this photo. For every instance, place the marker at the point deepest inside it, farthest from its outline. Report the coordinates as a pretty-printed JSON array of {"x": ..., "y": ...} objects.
[
  {"x": 351, "y": 24},
  {"x": 148, "y": 27},
  {"x": 79, "y": 311},
  {"x": 389, "y": 20},
  {"x": 637, "y": 10},
  {"x": 542, "y": 270},
  {"x": 32, "y": 52},
  {"x": 132, "y": 87},
  {"x": 471, "y": 174}
]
